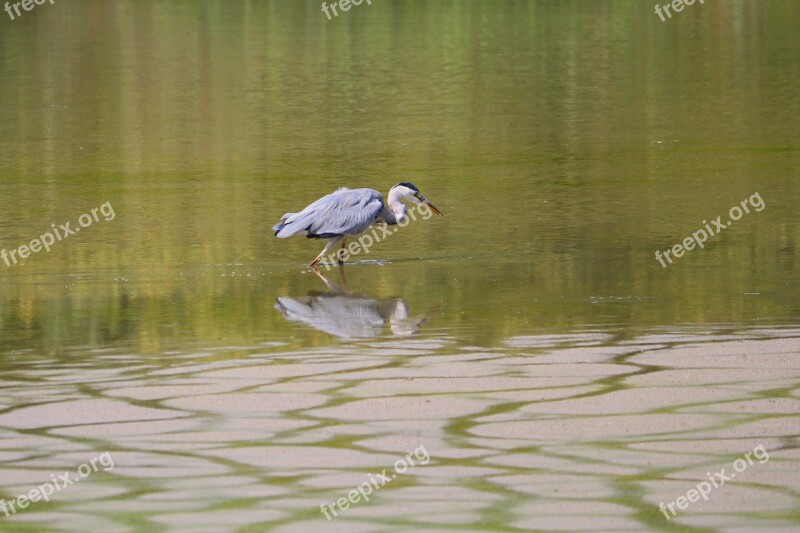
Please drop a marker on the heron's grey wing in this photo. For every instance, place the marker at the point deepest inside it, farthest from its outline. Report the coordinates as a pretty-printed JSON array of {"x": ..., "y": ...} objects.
[
  {"x": 293, "y": 223},
  {"x": 344, "y": 212}
]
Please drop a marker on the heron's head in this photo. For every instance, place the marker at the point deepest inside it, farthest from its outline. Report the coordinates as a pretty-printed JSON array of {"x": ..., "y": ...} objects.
[{"x": 408, "y": 191}]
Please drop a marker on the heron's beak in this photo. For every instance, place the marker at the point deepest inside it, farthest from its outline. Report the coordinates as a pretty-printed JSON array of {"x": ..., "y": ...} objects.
[{"x": 433, "y": 207}]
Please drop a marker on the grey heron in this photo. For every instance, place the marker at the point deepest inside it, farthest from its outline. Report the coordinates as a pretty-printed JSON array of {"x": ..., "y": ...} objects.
[{"x": 347, "y": 212}]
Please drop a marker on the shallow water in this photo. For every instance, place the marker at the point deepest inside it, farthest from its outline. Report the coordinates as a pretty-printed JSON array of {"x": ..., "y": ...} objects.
[{"x": 557, "y": 375}]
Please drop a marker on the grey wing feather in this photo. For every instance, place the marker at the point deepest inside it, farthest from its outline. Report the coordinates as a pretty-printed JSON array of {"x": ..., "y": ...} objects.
[{"x": 344, "y": 212}]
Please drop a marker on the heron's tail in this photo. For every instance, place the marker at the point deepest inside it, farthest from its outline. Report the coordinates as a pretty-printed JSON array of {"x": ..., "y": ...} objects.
[{"x": 289, "y": 226}]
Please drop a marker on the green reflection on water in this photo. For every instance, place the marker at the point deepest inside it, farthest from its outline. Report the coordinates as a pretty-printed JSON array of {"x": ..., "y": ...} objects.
[{"x": 565, "y": 141}]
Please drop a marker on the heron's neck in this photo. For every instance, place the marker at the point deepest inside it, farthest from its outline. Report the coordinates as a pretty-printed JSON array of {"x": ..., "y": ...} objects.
[{"x": 397, "y": 209}]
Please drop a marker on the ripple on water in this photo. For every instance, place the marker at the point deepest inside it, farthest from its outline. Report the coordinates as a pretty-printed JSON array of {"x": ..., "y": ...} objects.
[{"x": 541, "y": 428}]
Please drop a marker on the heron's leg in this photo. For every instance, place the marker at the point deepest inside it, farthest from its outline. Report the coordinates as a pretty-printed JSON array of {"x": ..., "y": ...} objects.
[
  {"x": 341, "y": 251},
  {"x": 331, "y": 243}
]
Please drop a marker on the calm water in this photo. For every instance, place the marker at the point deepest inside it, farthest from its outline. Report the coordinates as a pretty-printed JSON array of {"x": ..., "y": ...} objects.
[{"x": 558, "y": 376}]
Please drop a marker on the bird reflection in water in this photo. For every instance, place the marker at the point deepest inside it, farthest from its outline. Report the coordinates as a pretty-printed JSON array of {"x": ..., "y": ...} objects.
[{"x": 349, "y": 315}]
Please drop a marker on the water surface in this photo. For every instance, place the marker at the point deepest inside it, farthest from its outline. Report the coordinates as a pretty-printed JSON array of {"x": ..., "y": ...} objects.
[{"x": 558, "y": 375}]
